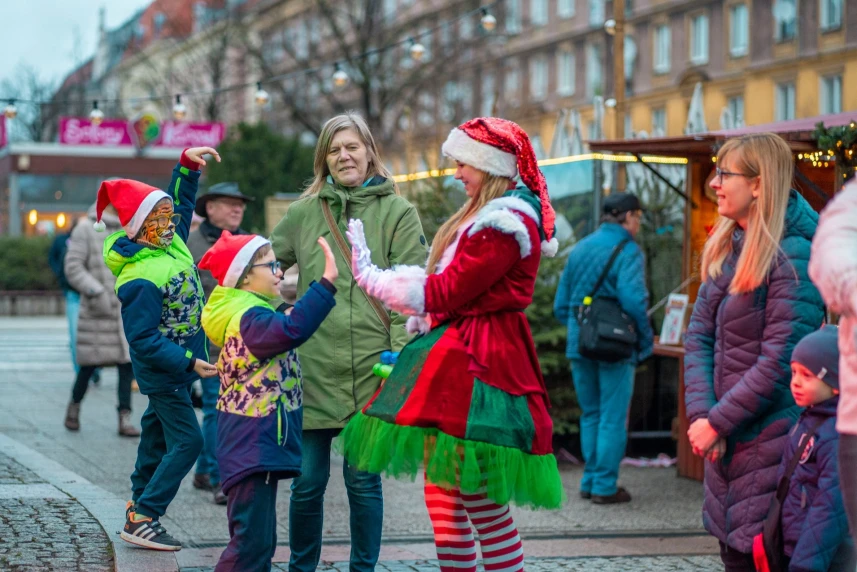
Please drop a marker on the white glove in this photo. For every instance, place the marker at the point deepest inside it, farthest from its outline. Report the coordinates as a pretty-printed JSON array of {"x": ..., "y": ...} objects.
[
  {"x": 401, "y": 288},
  {"x": 418, "y": 325}
]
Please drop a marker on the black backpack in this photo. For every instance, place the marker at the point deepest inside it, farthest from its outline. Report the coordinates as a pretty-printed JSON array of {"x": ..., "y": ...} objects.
[{"x": 607, "y": 333}]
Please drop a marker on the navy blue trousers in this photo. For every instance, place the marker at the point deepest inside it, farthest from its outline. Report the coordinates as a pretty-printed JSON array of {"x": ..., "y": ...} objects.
[
  {"x": 252, "y": 512},
  {"x": 169, "y": 445}
]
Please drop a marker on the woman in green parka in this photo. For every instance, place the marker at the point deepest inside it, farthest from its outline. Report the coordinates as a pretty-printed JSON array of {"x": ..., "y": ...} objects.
[{"x": 337, "y": 361}]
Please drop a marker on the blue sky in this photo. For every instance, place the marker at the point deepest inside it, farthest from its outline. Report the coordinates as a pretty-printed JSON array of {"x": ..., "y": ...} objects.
[{"x": 42, "y": 33}]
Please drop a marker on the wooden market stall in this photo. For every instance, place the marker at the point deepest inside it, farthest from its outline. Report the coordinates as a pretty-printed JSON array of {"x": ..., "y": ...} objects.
[{"x": 815, "y": 180}]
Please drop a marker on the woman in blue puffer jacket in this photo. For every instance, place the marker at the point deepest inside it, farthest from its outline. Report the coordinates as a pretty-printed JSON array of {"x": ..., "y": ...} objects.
[{"x": 756, "y": 302}]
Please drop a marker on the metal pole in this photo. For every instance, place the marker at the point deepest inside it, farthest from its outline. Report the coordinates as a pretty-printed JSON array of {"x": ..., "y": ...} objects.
[
  {"x": 619, "y": 84},
  {"x": 14, "y": 205}
]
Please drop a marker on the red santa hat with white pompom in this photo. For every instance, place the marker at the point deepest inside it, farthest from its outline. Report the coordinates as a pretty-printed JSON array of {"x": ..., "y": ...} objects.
[
  {"x": 500, "y": 147},
  {"x": 229, "y": 256},
  {"x": 132, "y": 200}
]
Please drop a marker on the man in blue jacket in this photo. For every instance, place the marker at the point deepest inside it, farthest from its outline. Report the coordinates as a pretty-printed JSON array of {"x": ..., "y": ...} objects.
[{"x": 604, "y": 389}]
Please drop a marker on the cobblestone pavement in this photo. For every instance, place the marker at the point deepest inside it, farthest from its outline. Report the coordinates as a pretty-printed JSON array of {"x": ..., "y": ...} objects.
[
  {"x": 42, "y": 528},
  {"x": 620, "y": 564}
]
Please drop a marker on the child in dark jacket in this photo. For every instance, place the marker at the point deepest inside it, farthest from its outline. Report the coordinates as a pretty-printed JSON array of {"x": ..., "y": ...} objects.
[
  {"x": 259, "y": 410},
  {"x": 162, "y": 299},
  {"x": 815, "y": 528}
]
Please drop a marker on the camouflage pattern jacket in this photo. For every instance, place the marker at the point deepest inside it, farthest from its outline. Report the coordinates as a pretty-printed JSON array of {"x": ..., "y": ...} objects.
[
  {"x": 161, "y": 296},
  {"x": 260, "y": 407}
]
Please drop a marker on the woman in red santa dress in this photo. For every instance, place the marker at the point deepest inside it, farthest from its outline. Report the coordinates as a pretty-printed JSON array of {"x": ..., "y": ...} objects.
[{"x": 466, "y": 400}]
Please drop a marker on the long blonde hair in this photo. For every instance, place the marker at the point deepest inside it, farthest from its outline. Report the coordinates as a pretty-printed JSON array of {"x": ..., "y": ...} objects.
[
  {"x": 768, "y": 157},
  {"x": 492, "y": 187},
  {"x": 353, "y": 121}
]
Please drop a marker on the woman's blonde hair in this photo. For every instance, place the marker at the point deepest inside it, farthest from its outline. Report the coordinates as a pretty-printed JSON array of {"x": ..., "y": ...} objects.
[
  {"x": 768, "y": 157},
  {"x": 353, "y": 121},
  {"x": 492, "y": 187}
]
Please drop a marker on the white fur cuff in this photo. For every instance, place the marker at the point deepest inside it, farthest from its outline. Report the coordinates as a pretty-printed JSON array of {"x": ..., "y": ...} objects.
[
  {"x": 402, "y": 288},
  {"x": 418, "y": 325}
]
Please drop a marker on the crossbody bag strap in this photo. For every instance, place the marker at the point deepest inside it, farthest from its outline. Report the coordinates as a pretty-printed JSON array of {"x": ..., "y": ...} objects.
[
  {"x": 345, "y": 251},
  {"x": 616, "y": 250},
  {"x": 783, "y": 485}
]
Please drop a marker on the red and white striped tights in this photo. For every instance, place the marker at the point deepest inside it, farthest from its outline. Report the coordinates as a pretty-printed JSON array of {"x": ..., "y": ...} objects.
[{"x": 451, "y": 514}]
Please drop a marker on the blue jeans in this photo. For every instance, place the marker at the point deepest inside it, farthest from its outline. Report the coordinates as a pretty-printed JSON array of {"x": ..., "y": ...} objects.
[
  {"x": 306, "y": 508},
  {"x": 207, "y": 462},
  {"x": 252, "y": 512},
  {"x": 72, "y": 310},
  {"x": 604, "y": 394}
]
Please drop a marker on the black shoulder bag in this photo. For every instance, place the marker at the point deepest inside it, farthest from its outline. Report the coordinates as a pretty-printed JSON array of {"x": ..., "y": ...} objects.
[
  {"x": 772, "y": 532},
  {"x": 607, "y": 333}
]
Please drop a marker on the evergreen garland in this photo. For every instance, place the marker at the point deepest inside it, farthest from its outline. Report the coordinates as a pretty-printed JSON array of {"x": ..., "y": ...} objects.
[{"x": 839, "y": 142}]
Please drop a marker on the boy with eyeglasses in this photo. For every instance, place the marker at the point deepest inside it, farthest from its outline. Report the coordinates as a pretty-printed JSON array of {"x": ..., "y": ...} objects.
[
  {"x": 260, "y": 407},
  {"x": 162, "y": 299}
]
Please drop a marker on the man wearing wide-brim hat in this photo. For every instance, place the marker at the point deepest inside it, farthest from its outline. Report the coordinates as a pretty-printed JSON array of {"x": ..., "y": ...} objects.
[{"x": 222, "y": 208}]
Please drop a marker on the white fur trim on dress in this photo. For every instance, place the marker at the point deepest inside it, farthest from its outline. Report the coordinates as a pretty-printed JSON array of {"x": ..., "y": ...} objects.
[
  {"x": 507, "y": 222},
  {"x": 146, "y": 206},
  {"x": 241, "y": 260},
  {"x": 402, "y": 288},
  {"x": 550, "y": 247},
  {"x": 464, "y": 149}
]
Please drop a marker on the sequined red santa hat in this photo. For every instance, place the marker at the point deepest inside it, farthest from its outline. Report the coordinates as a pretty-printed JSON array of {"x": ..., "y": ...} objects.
[
  {"x": 500, "y": 147},
  {"x": 229, "y": 256},
  {"x": 132, "y": 200}
]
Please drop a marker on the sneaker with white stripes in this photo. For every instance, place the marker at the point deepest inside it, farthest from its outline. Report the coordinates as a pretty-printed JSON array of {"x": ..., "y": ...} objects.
[{"x": 148, "y": 533}]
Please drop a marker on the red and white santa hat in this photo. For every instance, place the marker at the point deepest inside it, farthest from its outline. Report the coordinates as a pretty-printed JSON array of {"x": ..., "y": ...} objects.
[
  {"x": 500, "y": 147},
  {"x": 132, "y": 200},
  {"x": 230, "y": 255}
]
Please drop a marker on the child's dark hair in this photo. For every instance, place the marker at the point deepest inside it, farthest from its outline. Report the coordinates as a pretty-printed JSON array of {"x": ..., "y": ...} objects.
[{"x": 257, "y": 256}]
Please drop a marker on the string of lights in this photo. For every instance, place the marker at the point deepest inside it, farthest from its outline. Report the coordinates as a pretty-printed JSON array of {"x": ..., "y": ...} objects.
[{"x": 340, "y": 77}]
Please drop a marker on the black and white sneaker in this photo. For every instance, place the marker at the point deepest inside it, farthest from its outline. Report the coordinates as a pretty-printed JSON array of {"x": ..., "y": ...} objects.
[{"x": 148, "y": 533}]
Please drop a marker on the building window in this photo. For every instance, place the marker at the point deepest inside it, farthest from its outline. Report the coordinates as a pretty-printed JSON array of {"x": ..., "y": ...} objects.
[
  {"x": 738, "y": 30},
  {"x": 465, "y": 28},
  {"x": 596, "y": 12},
  {"x": 389, "y": 11},
  {"x": 785, "y": 104},
  {"x": 699, "y": 40},
  {"x": 659, "y": 122},
  {"x": 565, "y": 64},
  {"x": 831, "y": 94},
  {"x": 629, "y": 130},
  {"x": 785, "y": 20},
  {"x": 426, "y": 115},
  {"x": 565, "y": 8},
  {"x": 539, "y": 12},
  {"x": 465, "y": 98},
  {"x": 736, "y": 110},
  {"x": 593, "y": 71},
  {"x": 662, "y": 49},
  {"x": 593, "y": 131},
  {"x": 488, "y": 95},
  {"x": 450, "y": 98},
  {"x": 445, "y": 38},
  {"x": 301, "y": 41},
  {"x": 538, "y": 78},
  {"x": 512, "y": 84},
  {"x": 513, "y": 16},
  {"x": 158, "y": 23},
  {"x": 831, "y": 14}
]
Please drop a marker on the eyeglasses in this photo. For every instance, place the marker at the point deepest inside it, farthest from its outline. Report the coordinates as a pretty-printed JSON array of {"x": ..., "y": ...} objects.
[
  {"x": 164, "y": 221},
  {"x": 722, "y": 174},
  {"x": 274, "y": 266}
]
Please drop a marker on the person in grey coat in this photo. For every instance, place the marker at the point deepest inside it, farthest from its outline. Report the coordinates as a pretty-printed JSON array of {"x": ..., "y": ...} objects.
[
  {"x": 100, "y": 336},
  {"x": 222, "y": 208}
]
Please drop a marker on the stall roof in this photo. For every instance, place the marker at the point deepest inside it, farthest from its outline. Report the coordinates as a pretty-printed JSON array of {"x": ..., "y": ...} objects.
[{"x": 798, "y": 133}]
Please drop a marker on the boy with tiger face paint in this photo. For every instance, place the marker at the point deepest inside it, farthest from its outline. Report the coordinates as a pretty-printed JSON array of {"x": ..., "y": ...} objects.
[
  {"x": 160, "y": 226},
  {"x": 162, "y": 299}
]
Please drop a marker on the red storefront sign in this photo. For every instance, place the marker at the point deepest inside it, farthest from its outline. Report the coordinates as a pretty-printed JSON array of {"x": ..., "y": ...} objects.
[{"x": 118, "y": 133}]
